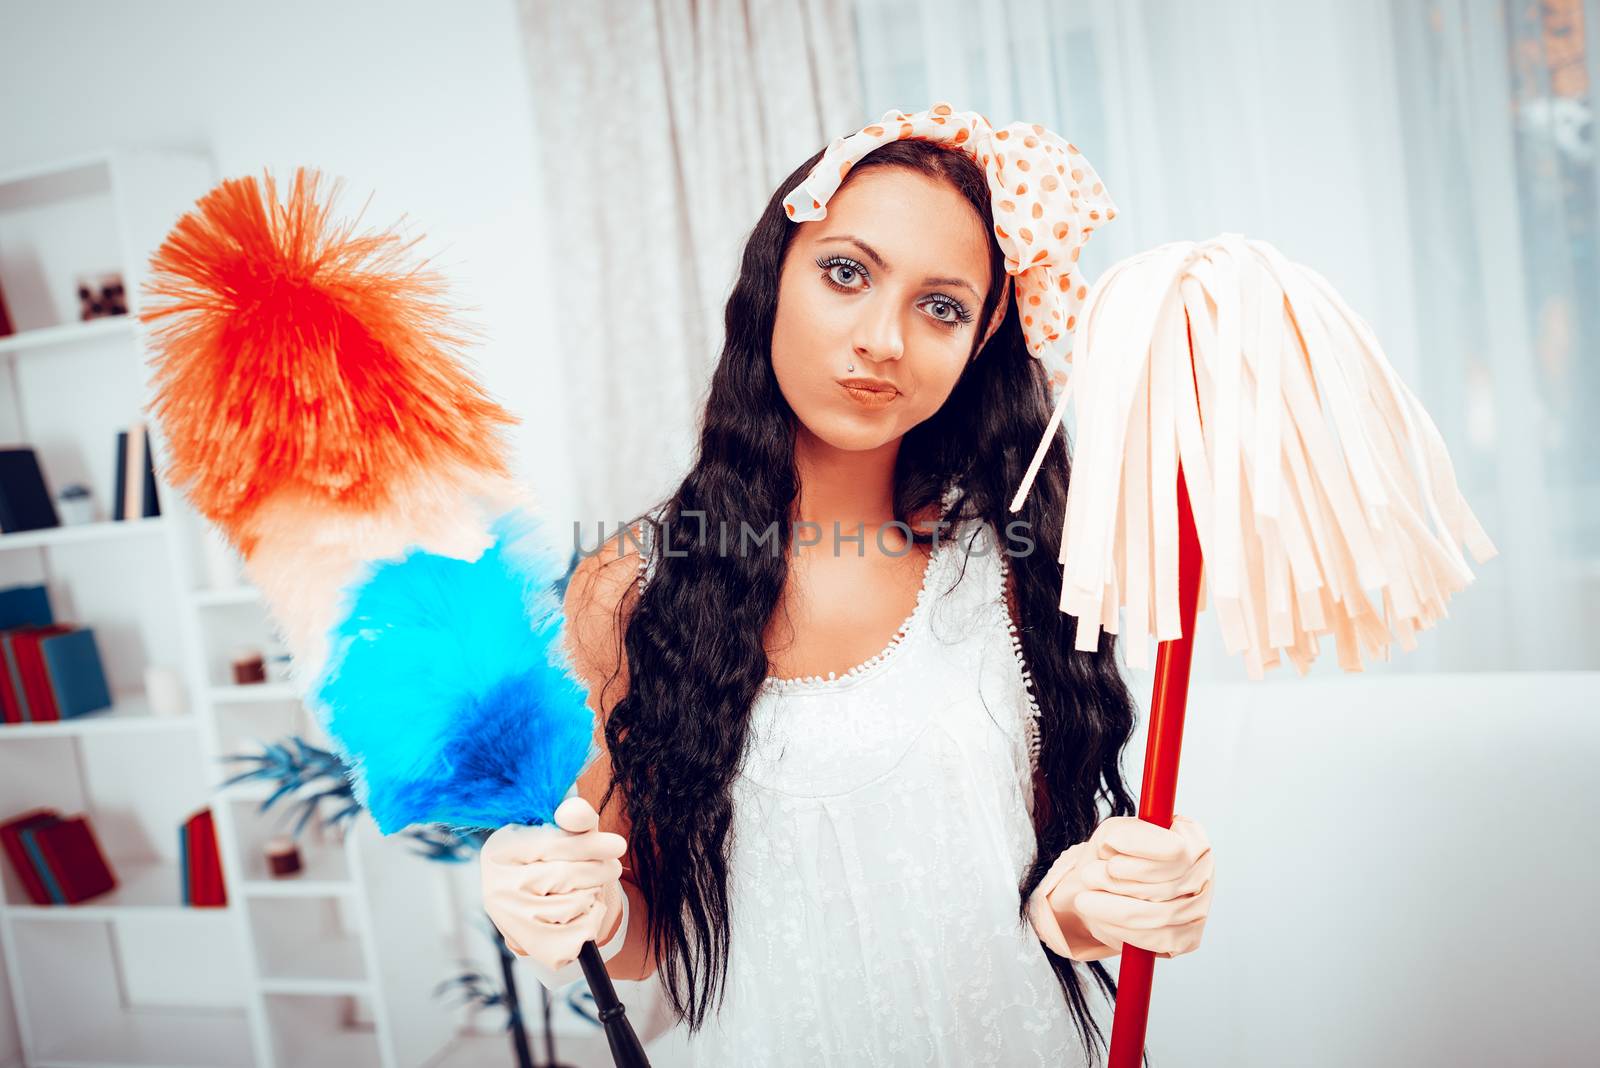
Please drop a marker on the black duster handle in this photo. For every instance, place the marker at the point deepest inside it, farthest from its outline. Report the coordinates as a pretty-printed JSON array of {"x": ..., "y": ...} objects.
[{"x": 626, "y": 1050}]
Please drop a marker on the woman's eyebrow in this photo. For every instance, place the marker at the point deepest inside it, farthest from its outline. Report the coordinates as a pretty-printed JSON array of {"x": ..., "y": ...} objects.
[{"x": 872, "y": 254}]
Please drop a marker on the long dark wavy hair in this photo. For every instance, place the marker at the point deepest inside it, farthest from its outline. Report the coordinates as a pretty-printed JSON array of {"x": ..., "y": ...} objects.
[{"x": 693, "y": 637}]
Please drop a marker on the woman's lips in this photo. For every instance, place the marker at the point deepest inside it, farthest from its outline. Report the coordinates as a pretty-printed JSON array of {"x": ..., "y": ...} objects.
[{"x": 869, "y": 396}]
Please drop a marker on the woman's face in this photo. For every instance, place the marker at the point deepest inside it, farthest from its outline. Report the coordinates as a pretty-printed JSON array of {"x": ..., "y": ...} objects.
[{"x": 892, "y": 281}]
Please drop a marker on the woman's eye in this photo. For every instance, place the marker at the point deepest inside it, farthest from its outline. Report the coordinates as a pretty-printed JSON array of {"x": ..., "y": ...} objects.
[
  {"x": 841, "y": 273},
  {"x": 948, "y": 312}
]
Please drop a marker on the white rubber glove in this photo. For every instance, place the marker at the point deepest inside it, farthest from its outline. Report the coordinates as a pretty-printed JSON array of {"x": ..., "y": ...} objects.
[
  {"x": 551, "y": 888},
  {"x": 1132, "y": 882}
]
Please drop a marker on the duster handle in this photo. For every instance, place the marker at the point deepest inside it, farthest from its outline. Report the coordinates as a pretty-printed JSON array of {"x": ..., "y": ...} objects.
[
  {"x": 1164, "y": 743},
  {"x": 626, "y": 1051}
]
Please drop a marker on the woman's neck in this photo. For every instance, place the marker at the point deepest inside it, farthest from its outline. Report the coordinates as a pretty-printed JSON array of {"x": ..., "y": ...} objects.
[{"x": 842, "y": 486}]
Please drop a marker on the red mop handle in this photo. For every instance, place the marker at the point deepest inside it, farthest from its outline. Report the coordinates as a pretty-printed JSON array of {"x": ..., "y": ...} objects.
[{"x": 1162, "y": 747}]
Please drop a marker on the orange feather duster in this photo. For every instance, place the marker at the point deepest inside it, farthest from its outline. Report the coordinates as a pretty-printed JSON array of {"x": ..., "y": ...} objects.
[{"x": 292, "y": 353}]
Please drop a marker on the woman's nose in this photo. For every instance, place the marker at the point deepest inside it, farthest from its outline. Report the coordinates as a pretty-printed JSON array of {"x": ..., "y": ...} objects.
[{"x": 878, "y": 333}]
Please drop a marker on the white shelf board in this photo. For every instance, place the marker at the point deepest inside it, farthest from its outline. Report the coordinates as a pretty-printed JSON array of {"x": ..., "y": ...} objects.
[
  {"x": 325, "y": 873},
  {"x": 45, "y": 337},
  {"x": 293, "y": 887},
  {"x": 81, "y": 534},
  {"x": 254, "y": 693},
  {"x": 171, "y": 1038},
  {"x": 317, "y": 987},
  {"x": 61, "y": 179},
  {"x": 129, "y": 715},
  {"x": 144, "y": 888}
]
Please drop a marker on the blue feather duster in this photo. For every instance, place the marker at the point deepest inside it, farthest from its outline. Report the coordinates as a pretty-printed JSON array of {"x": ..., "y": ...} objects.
[{"x": 448, "y": 691}]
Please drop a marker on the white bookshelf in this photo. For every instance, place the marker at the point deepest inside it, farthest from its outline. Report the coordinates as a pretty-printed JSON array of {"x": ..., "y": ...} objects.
[
  {"x": 334, "y": 966},
  {"x": 44, "y": 337}
]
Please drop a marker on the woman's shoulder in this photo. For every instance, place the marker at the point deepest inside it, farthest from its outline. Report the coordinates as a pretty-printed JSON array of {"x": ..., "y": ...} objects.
[
  {"x": 974, "y": 536},
  {"x": 598, "y": 602},
  {"x": 982, "y": 558}
]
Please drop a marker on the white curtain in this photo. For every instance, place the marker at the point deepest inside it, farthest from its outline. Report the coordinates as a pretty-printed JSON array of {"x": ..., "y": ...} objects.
[
  {"x": 663, "y": 126},
  {"x": 1435, "y": 160}
]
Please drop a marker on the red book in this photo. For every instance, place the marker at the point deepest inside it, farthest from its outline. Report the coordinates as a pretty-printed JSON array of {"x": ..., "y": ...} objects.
[
  {"x": 11, "y": 841},
  {"x": 205, "y": 889},
  {"x": 73, "y": 855},
  {"x": 217, "y": 890},
  {"x": 205, "y": 864},
  {"x": 35, "y": 679},
  {"x": 10, "y": 706},
  {"x": 11, "y": 698}
]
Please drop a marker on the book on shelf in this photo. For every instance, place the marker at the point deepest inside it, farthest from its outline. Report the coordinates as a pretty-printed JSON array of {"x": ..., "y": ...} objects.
[
  {"x": 135, "y": 494},
  {"x": 50, "y": 672},
  {"x": 25, "y": 605},
  {"x": 11, "y": 843},
  {"x": 200, "y": 863},
  {"x": 36, "y": 695},
  {"x": 25, "y": 504},
  {"x": 57, "y": 859}
]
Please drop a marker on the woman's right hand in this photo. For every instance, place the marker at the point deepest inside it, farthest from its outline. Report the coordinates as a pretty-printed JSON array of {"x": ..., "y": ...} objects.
[{"x": 551, "y": 888}]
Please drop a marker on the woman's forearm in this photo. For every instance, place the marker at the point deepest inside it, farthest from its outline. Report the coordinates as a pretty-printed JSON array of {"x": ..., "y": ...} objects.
[
  {"x": 1081, "y": 945},
  {"x": 633, "y": 961},
  {"x": 1057, "y": 922}
]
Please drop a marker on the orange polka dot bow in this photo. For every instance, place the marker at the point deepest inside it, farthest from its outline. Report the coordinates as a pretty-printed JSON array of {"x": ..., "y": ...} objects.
[{"x": 1047, "y": 200}]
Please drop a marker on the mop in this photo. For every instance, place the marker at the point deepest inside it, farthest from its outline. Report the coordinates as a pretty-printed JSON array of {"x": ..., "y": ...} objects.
[{"x": 1232, "y": 408}]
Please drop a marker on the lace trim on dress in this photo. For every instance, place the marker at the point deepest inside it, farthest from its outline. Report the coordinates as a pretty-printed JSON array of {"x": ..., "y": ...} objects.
[
  {"x": 1032, "y": 725},
  {"x": 834, "y": 680},
  {"x": 647, "y": 555}
]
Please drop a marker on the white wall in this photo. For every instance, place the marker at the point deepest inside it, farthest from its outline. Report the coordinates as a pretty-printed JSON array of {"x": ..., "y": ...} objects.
[{"x": 423, "y": 105}]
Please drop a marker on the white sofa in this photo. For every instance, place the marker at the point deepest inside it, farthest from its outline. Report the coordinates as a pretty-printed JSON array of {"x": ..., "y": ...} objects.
[{"x": 1407, "y": 873}]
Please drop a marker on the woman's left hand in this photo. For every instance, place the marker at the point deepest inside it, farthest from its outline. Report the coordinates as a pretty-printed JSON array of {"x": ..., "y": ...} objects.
[{"x": 1136, "y": 883}]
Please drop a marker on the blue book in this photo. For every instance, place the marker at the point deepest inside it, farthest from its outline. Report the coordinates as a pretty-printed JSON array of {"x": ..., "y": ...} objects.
[
  {"x": 183, "y": 861},
  {"x": 25, "y": 504},
  {"x": 30, "y": 844},
  {"x": 72, "y": 667},
  {"x": 24, "y": 605}
]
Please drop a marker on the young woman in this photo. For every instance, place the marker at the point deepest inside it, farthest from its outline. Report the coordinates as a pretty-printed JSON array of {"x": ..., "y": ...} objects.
[{"x": 849, "y": 777}]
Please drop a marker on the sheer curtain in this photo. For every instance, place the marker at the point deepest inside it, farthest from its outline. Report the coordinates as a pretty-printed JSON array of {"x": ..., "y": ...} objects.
[
  {"x": 662, "y": 127},
  {"x": 1434, "y": 160}
]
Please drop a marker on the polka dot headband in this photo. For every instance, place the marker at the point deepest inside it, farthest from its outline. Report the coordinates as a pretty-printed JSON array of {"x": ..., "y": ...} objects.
[{"x": 1046, "y": 201}]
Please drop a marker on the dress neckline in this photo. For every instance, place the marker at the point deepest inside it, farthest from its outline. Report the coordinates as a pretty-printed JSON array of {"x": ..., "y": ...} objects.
[{"x": 836, "y": 680}]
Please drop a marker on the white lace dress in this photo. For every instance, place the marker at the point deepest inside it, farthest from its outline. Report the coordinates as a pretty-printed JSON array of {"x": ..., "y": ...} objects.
[{"x": 881, "y": 829}]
